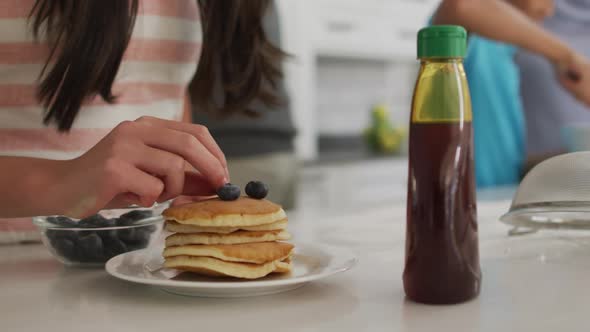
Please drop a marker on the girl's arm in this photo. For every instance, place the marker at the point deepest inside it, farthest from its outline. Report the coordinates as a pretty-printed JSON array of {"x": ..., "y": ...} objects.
[
  {"x": 138, "y": 162},
  {"x": 499, "y": 20},
  {"x": 29, "y": 186}
]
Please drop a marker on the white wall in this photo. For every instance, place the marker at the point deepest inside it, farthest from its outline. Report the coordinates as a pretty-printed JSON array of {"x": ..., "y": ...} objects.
[{"x": 347, "y": 89}]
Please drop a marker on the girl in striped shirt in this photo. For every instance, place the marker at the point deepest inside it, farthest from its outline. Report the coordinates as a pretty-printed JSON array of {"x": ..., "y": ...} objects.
[{"x": 92, "y": 94}]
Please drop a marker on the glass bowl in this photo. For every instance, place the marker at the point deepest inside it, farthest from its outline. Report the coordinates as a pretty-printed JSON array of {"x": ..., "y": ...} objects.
[
  {"x": 555, "y": 194},
  {"x": 94, "y": 240}
]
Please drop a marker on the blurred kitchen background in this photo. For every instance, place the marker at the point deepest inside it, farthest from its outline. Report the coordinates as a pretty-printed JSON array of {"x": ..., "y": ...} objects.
[
  {"x": 350, "y": 80},
  {"x": 351, "y": 62}
]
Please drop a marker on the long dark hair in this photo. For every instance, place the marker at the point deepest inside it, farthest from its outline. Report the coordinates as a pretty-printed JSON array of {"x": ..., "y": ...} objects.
[
  {"x": 88, "y": 39},
  {"x": 237, "y": 57}
]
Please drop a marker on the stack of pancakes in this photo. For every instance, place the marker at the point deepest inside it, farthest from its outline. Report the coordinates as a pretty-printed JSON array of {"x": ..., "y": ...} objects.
[{"x": 228, "y": 238}]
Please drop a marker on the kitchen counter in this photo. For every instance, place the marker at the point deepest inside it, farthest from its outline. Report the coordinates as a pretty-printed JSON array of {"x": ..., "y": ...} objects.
[{"x": 534, "y": 282}]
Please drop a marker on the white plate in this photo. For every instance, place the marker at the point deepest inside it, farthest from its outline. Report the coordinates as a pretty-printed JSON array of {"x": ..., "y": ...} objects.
[{"x": 310, "y": 263}]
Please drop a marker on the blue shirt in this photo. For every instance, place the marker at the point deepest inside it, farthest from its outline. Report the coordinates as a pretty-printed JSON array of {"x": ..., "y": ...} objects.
[{"x": 498, "y": 120}]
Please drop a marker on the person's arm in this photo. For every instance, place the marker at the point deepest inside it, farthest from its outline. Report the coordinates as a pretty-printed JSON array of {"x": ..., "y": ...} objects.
[
  {"x": 29, "y": 186},
  {"x": 577, "y": 79},
  {"x": 139, "y": 162},
  {"x": 499, "y": 20}
]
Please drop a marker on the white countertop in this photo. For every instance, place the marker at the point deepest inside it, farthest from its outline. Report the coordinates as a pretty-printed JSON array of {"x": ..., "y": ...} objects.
[{"x": 531, "y": 283}]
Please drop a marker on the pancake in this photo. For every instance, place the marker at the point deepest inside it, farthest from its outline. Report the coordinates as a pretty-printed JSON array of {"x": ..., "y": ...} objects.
[
  {"x": 179, "y": 239},
  {"x": 284, "y": 266},
  {"x": 214, "y": 212},
  {"x": 217, "y": 268},
  {"x": 175, "y": 227},
  {"x": 256, "y": 253}
]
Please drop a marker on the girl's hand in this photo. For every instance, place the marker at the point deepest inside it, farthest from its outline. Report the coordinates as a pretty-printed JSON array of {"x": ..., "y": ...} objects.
[
  {"x": 575, "y": 77},
  {"x": 142, "y": 162}
]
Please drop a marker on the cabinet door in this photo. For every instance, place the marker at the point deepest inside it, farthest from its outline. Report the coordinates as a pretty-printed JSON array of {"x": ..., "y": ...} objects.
[
  {"x": 373, "y": 28},
  {"x": 346, "y": 32}
]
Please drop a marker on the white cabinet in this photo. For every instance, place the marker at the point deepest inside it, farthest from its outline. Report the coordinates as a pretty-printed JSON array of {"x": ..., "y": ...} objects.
[
  {"x": 368, "y": 29},
  {"x": 371, "y": 30}
]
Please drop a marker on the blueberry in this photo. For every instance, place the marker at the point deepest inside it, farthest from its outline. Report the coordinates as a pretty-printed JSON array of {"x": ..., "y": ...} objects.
[
  {"x": 142, "y": 237},
  {"x": 139, "y": 237},
  {"x": 113, "y": 247},
  {"x": 57, "y": 234},
  {"x": 65, "y": 248},
  {"x": 109, "y": 223},
  {"x": 127, "y": 235},
  {"x": 93, "y": 221},
  {"x": 62, "y": 221},
  {"x": 131, "y": 217},
  {"x": 108, "y": 235},
  {"x": 257, "y": 189},
  {"x": 52, "y": 234},
  {"x": 91, "y": 247},
  {"x": 228, "y": 192}
]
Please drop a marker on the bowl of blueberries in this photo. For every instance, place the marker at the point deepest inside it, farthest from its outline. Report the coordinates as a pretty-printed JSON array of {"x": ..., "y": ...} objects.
[{"x": 94, "y": 240}]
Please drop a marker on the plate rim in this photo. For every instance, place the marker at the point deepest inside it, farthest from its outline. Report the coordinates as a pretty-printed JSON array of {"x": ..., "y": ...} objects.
[{"x": 347, "y": 262}]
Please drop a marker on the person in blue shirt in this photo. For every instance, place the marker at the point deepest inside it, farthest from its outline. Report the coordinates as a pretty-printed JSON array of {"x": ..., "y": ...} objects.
[
  {"x": 550, "y": 111},
  {"x": 496, "y": 29}
]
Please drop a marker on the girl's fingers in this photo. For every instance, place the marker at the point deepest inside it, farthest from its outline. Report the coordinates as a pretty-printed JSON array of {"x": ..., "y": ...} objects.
[
  {"x": 189, "y": 148},
  {"x": 574, "y": 76},
  {"x": 165, "y": 165},
  {"x": 571, "y": 86},
  {"x": 195, "y": 184},
  {"x": 199, "y": 132},
  {"x": 196, "y": 188},
  {"x": 123, "y": 200},
  {"x": 182, "y": 200},
  {"x": 131, "y": 180}
]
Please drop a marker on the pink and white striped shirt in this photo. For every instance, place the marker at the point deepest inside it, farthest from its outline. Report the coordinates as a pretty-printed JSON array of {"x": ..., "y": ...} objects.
[{"x": 158, "y": 64}]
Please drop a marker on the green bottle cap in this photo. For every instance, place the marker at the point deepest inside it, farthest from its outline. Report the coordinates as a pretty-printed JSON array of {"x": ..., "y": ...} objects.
[{"x": 442, "y": 41}]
